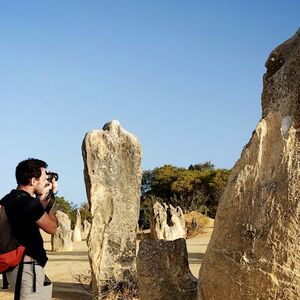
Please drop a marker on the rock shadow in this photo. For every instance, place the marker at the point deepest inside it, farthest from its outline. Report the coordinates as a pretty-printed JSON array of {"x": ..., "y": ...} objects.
[{"x": 71, "y": 291}]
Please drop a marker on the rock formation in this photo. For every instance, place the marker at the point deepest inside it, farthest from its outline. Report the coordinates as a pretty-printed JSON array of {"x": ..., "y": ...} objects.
[
  {"x": 86, "y": 228},
  {"x": 77, "y": 229},
  {"x": 168, "y": 222},
  {"x": 163, "y": 271},
  {"x": 62, "y": 239},
  {"x": 254, "y": 252},
  {"x": 162, "y": 264},
  {"x": 112, "y": 173}
]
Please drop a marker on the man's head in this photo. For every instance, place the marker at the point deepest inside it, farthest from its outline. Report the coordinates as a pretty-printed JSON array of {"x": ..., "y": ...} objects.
[{"x": 32, "y": 173}]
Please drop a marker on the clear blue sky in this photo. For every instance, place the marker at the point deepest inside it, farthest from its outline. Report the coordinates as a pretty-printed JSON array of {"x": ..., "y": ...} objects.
[{"x": 184, "y": 76}]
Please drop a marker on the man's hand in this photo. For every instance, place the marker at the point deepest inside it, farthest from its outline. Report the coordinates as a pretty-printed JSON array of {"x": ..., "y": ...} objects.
[
  {"x": 48, "y": 221},
  {"x": 47, "y": 198},
  {"x": 54, "y": 186}
]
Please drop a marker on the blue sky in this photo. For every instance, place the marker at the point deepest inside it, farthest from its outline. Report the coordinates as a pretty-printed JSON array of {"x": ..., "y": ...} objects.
[{"x": 184, "y": 76}]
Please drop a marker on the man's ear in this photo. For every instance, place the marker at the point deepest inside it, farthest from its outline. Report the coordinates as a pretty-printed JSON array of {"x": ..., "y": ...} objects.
[{"x": 32, "y": 181}]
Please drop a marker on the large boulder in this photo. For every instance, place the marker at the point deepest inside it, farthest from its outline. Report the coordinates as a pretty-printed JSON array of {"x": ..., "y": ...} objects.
[
  {"x": 163, "y": 271},
  {"x": 62, "y": 239},
  {"x": 112, "y": 173},
  {"x": 254, "y": 252}
]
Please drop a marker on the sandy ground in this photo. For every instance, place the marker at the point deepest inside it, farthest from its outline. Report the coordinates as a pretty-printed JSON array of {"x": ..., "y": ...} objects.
[{"x": 63, "y": 267}]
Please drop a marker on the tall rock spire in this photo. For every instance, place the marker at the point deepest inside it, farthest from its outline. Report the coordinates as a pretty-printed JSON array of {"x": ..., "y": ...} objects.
[
  {"x": 254, "y": 252},
  {"x": 112, "y": 173}
]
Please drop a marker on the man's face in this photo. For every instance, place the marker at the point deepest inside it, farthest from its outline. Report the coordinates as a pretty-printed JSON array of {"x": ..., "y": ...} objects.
[{"x": 40, "y": 183}]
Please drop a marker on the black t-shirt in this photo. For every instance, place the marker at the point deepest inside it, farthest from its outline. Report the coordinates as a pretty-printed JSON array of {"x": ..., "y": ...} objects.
[{"x": 23, "y": 211}]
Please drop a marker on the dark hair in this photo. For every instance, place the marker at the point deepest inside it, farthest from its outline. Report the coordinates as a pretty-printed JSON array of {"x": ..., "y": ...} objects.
[{"x": 28, "y": 169}]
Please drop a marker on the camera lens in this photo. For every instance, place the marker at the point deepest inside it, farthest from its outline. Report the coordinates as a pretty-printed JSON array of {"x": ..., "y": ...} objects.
[{"x": 51, "y": 175}]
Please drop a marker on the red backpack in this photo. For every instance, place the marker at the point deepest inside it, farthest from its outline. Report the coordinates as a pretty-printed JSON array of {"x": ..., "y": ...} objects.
[{"x": 11, "y": 252}]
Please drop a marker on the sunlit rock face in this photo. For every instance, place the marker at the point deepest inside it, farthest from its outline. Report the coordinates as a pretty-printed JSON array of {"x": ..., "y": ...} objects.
[
  {"x": 168, "y": 222},
  {"x": 77, "y": 229},
  {"x": 254, "y": 252},
  {"x": 112, "y": 173},
  {"x": 86, "y": 228},
  {"x": 62, "y": 239}
]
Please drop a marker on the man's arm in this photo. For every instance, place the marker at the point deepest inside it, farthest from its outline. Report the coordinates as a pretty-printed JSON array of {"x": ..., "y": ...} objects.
[{"x": 48, "y": 222}]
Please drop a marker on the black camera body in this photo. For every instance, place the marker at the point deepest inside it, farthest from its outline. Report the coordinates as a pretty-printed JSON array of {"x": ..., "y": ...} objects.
[{"x": 51, "y": 175}]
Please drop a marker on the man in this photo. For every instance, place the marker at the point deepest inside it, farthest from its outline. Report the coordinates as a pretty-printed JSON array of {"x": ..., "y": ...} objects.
[{"x": 28, "y": 209}]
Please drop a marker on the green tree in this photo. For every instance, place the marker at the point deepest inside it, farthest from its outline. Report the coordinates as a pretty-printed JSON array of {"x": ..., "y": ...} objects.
[
  {"x": 208, "y": 165},
  {"x": 185, "y": 182},
  {"x": 162, "y": 180},
  {"x": 198, "y": 188},
  {"x": 146, "y": 181}
]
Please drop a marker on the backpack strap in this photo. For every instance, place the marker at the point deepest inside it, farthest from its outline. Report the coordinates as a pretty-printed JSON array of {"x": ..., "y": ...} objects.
[
  {"x": 19, "y": 279},
  {"x": 34, "y": 276},
  {"x": 5, "y": 281}
]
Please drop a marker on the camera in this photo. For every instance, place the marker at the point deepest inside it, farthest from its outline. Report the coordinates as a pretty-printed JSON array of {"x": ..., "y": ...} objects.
[{"x": 51, "y": 175}]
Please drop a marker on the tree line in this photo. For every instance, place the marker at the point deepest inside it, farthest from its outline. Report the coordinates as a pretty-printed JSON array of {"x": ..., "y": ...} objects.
[{"x": 196, "y": 188}]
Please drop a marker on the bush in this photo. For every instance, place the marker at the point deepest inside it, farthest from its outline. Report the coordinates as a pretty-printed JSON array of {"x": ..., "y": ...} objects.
[{"x": 198, "y": 188}]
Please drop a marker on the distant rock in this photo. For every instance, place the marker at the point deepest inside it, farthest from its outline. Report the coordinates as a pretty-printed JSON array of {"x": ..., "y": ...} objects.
[
  {"x": 112, "y": 173},
  {"x": 168, "y": 222},
  {"x": 77, "y": 229},
  {"x": 254, "y": 252},
  {"x": 86, "y": 228},
  {"x": 62, "y": 239}
]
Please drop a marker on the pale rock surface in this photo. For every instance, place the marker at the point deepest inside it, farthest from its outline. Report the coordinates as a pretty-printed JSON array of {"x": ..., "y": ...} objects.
[
  {"x": 77, "y": 229},
  {"x": 168, "y": 222},
  {"x": 61, "y": 241},
  {"x": 86, "y": 228},
  {"x": 112, "y": 172},
  {"x": 254, "y": 252}
]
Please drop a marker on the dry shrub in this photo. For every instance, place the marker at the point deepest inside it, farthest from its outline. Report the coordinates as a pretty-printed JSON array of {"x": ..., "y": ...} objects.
[
  {"x": 124, "y": 290},
  {"x": 112, "y": 289},
  {"x": 195, "y": 223},
  {"x": 85, "y": 280}
]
